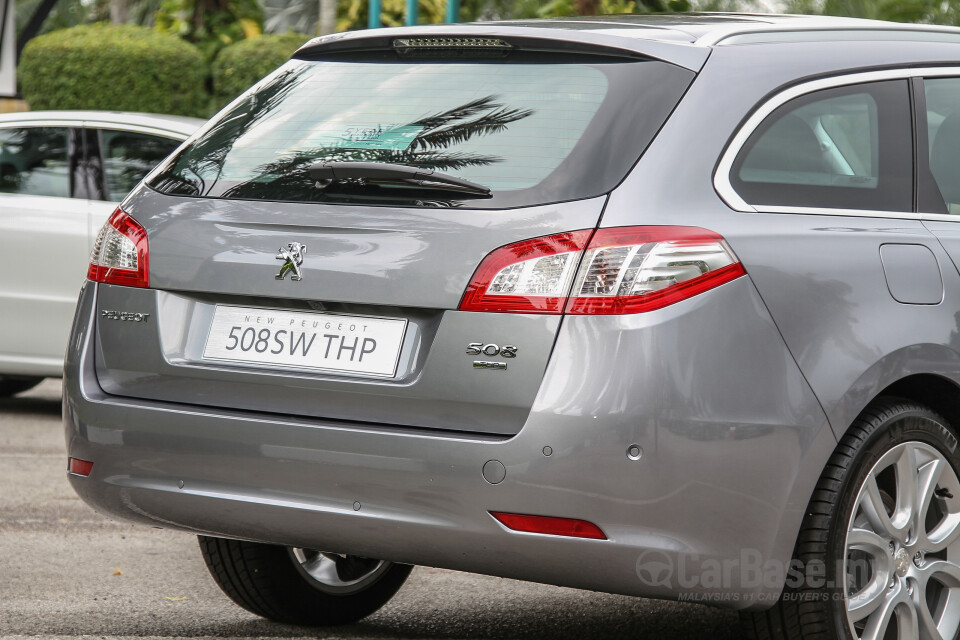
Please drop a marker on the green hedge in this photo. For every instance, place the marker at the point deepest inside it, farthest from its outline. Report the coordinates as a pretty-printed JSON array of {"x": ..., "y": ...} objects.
[
  {"x": 116, "y": 67},
  {"x": 240, "y": 65}
]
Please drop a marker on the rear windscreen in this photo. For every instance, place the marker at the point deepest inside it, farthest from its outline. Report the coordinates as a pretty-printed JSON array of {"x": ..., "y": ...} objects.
[{"x": 532, "y": 129}]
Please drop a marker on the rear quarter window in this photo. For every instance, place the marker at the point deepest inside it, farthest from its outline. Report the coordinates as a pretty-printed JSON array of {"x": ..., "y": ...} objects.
[{"x": 843, "y": 148}]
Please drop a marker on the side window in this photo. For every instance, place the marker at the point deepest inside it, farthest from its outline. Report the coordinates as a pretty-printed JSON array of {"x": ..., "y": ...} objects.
[
  {"x": 128, "y": 157},
  {"x": 943, "y": 129},
  {"x": 34, "y": 161},
  {"x": 844, "y": 148}
]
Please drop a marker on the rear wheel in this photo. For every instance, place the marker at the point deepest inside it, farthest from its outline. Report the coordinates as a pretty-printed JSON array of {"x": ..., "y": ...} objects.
[
  {"x": 884, "y": 522},
  {"x": 12, "y": 385},
  {"x": 301, "y": 586}
]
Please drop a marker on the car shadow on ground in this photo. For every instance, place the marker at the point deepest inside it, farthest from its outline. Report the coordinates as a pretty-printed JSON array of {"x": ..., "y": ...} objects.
[
  {"x": 30, "y": 406},
  {"x": 550, "y": 619},
  {"x": 44, "y": 400}
]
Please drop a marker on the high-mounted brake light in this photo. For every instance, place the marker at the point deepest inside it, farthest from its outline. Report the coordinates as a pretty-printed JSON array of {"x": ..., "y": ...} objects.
[
  {"x": 120, "y": 255},
  {"x": 451, "y": 43},
  {"x": 621, "y": 270}
]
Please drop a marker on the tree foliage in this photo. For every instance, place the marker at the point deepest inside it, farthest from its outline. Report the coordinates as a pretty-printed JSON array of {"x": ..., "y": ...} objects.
[
  {"x": 210, "y": 24},
  {"x": 242, "y": 64},
  {"x": 925, "y": 11},
  {"x": 353, "y": 14},
  {"x": 121, "y": 67}
]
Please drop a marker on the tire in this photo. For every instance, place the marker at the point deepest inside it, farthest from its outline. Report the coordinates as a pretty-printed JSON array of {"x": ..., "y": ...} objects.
[
  {"x": 12, "y": 385},
  {"x": 300, "y": 586},
  {"x": 887, "y": 565}
]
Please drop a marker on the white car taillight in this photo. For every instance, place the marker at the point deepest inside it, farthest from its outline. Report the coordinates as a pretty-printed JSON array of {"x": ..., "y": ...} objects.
[
  {"x": 120, "y": 254},
  {"x": 623, "y": 270}
]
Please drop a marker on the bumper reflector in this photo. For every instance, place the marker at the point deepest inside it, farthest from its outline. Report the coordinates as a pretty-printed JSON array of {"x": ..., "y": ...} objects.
[
  {"x": 79, "y": 467},
  {"x": 550, "y": 525}
]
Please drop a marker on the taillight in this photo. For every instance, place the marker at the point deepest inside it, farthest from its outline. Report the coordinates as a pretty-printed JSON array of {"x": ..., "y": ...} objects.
[
  {"x": 621, "y": 270},
  {"x": 532, "y": 276},
  {"x": 637, "y": 269},
  {"x": 120, "y": 255}
]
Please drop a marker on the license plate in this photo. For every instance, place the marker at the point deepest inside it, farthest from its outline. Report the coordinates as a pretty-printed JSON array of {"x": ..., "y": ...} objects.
[{"x": 359, "y": 345}]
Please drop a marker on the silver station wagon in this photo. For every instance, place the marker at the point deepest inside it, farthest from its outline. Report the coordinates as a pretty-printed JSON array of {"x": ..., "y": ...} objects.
[{"x": 664, "y": 306}]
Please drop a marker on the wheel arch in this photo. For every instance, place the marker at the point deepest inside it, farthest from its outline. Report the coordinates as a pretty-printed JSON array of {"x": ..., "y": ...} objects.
[
  {"x": 939, "y": 393},
  {"x": 931, "y": 386},
  {"x": 925, "y": 373}
]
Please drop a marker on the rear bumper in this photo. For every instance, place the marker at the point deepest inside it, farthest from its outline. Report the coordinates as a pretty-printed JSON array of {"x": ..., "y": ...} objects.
[{"x": 733, "y": 441}]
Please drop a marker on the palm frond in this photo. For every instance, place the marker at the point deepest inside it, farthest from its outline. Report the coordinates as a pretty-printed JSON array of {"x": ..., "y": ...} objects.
[
  {"x": 436, "y": 160},
  {"x": 458, "y": 113},
  {"x": 459, "y": 133}
]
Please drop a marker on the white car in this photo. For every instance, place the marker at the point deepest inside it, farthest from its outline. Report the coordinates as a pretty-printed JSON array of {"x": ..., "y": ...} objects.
[{"x": 61, "y": 175}]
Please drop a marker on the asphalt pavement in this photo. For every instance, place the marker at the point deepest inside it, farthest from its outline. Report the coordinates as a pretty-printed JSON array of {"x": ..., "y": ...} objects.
[{"x": 67, "y": 572}]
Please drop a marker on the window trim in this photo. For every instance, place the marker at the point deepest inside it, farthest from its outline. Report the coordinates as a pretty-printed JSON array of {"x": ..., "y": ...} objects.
[
  {"x": 135, "y": 128},
  {"x": 93, "y": 124},
  {"x": 929, "y": 195},
  {"x": 721, "y": 176}
]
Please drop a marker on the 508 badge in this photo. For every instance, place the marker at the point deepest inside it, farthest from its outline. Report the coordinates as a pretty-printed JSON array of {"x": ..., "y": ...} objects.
[{"x": 491, "y": 349}]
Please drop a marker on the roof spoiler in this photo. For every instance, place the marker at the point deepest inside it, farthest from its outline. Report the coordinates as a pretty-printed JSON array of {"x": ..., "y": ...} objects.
[{"x": 530, "y": 39}]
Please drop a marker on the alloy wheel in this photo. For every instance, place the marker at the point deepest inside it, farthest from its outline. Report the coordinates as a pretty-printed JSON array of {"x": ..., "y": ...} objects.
[
  {"x": 338, "y": 574},
  {"x": 902, "y": 548}
]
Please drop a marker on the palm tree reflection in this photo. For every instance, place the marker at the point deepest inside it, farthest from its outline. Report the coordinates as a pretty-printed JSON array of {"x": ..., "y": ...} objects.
[
  {"x": 287, "y": 178},
  {"x": 196, "y": 171}
]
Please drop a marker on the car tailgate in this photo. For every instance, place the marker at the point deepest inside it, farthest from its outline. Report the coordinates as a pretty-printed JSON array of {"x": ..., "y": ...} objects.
[{"x": 399, "y": 271}]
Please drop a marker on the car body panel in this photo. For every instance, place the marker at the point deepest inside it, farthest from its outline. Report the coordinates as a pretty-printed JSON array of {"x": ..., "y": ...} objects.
[
  {"x": 365, "y": 255},
  {"x": 42, "y": 270},
  {"x": 375, "y": 261},
  {"x": 827, "y": 262},
  {"x": 436, "y": 385},
  {"x": 298, "y": 479}
]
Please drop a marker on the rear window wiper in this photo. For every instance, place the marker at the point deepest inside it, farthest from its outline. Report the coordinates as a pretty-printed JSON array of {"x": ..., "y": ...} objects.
[{"x": 384, "y": 173}]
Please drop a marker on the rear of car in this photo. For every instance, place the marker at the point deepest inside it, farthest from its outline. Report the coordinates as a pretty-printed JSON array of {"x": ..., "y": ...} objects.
[
  {"x": 357, "y": 324},
  {"x": 287, "y": 339},
  {"x": 477, "y": 298}
]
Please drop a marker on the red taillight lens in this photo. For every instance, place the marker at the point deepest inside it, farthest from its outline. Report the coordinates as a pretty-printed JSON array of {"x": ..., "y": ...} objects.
[
  {"x": 532, "y": 276},
  {"x": 79, "y": 467},
  {"x": 622, "y": 270},
  {"x": 120, "y": 255},
  {"x": 637, "y": 269},
  {"x": 550, "y": 525}
]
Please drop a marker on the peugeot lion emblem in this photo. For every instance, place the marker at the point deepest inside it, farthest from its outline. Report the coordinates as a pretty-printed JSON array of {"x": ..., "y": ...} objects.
[{"x": 292, "y": 258}]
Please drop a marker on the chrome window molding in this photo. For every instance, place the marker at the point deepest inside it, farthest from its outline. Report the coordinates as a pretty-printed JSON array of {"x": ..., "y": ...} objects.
[
  {"x": 787, "y": 33},
  {"x": 721, "y": 176},
  {"x": 135, "y": 128},
  {"x": 92, "y": 124},
  {"x": 857, "y": 213}
]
